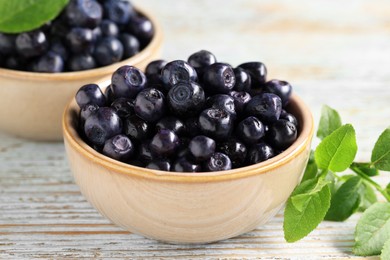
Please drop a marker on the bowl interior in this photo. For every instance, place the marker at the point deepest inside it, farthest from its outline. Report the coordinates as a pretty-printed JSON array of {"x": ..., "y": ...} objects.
[{"x": 296, "y": 106}]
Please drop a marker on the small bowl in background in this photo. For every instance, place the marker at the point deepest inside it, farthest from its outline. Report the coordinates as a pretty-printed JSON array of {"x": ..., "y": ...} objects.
[
  {"x": 187, "y": 207},
  {"x": 32, "y": 103}
]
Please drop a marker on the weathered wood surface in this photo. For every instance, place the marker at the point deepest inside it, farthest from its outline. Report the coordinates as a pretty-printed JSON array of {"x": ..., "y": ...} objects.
[{"x": 333, "y": 52}]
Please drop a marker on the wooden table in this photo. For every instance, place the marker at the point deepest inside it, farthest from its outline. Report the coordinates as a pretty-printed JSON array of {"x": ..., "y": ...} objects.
[{"x": 333, "y": 52}]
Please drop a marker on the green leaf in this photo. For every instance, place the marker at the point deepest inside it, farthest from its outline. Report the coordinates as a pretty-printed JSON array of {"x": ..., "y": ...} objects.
[
  {"x": 311, "y": 168},
  {"x": 330, "y": 177},
  {"x": 380, "y": 156},
  {"x": 367, "y": 196},
  {"x": 329, "y": 122},
  {"x": 372, "y": 230},
  {"x": 300, "y": 200},
  {"x": 311, "y": 202},
  {"x": 385, "y": 255},
  {"x": 337, "y": 151},
  {"x": 345, "y": 201},
  {"x": 365, "y": 168},
  {"x": 25, "y": 15},
  {"x": 388, "y": 189}
]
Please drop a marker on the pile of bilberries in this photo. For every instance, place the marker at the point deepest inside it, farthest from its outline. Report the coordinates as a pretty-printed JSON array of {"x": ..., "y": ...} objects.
[
  {"x": 194, "y": 116},
  {"x": 86, "y": 35}
]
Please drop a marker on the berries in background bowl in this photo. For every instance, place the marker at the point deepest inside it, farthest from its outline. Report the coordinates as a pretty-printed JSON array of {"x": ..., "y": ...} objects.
[
  {"x": 177, "y": 186},
  {"x": 37, "y": 118},
  {"x": 106, "y": 32},
  {"x": 189, "y": 123}
]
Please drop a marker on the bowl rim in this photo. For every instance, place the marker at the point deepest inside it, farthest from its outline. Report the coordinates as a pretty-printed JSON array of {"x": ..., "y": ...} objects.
[
  {"x": 74, "y": 141},
  {"x": 97, "y": 72}
]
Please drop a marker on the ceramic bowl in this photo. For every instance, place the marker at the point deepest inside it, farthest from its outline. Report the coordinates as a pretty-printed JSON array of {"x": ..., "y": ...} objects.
[
  {"x": 187, "y": 207},
  {"x": 32, "y": 103}
]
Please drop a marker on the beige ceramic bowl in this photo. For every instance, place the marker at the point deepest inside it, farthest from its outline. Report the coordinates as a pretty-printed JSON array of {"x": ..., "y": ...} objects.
[
  {"x": 32, "y": 103},
  {"x": 187, "y": 207}
]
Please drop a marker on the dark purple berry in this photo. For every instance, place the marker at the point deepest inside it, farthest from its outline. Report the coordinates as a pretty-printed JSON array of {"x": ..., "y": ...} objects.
[
  {"x": 155, "y": 67},
  {"x": 219, "y": 78},
  {"x": 281, "y": 88},
  {"x": 131, "y": 45},
  {"x": 240, "y": 100},
  {"x": 160, "y": 165},
  {"x": 7, "y": 44},
  {"x": 31, "y": 44},
  {"x": 97, "y": 34},
  {"x": 59, "y": 48},
  {"x": 150, "y": 105},
  {"x": 14, "y": 63},
  {"x": 183, "y": 152},
  {"x": 80, "y": 40},
  {"x": 109, "y": 94},
  {"x": 171, "y": 123},
  {"x": 201, "y": 147},
  {"x": 243, "y": 80},
  {"x": 108, "y": 51},
  {"x": 282, "y": 134},
  {"x": 124, "y": 107},
  {"x": 153, "y": 73},
  {"x": 50, "y": 63},
  {"x": 81, "y": 61},
  {"x": 183, "y": 165},
  {"x": 259, "y": 153},
  {"x": 176, "y": 72},
  {"x": 224, "y": 102},
  {"x": 186, "y": 99},
  {"x": 119, "y": 11},
  {"x": 142, "y": 28},
  {"x": 192, "y": 126},
  {"x": 236, "y": 151},
  {"x": 144, "y": 153},
  {"x": 218, "y": 162},
  {"x": 216, "y": 123},
  {"x": 257, "y": 72},
  {"x": 267, "y": 107},
  {"x": 119, "y": 148},
  {"x": 59, "y": 27},
  {"x": 108, "y": 28},
  {"x": 200, "y": 60},
  {"x": 250, "y": 130},
  {"x": 83, "y": 13},
  {"x": 102, "y": 125},
  {"x": 136, "y": 128},
  {"x": 164, "y": 143},
  {"x": 127, "y": 82},
  {"x": 90, "y": 94},
  {"x": 2, "y": 60},
  {"x": 289, "y": 117},
  {"x": 86, "y": 111}
]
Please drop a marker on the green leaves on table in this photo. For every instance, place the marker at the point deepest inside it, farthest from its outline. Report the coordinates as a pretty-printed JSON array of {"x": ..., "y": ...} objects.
[
  {"x": 367, "y": 196},
  {"x": 329, "y": 122},
  {"x": 324, "y": 194},
  {"x": 311, "y": 168},
  {"x": 385, "y": 255},
  {"x": 305, "y": 209},
  {"x": 345, "y": 201},
  {"x": 337, "y": 151},
  {"x": 365, "y": 168},
  {"x": 372, "y": 230},
  {"x": 380, "y": 156},
  {"x": 25, "y": 15}
]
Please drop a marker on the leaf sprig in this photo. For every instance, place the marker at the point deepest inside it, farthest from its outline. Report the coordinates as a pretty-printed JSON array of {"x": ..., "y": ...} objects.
[
  {"x": 325, "y": 194},
  {"x": 18, "y": 16}
]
